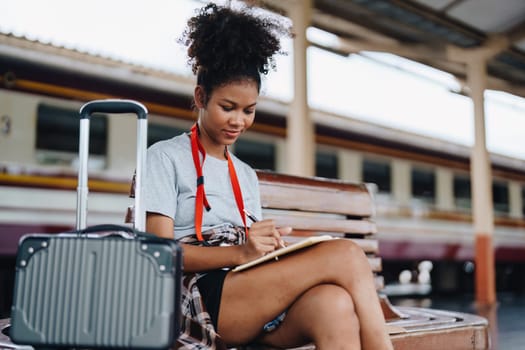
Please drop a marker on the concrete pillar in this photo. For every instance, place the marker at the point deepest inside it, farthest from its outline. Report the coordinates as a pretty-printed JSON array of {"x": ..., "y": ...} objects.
[
  {"x": 481, "y": 174},
  {"x": 122, "y": 155},
  {"x": 300, "y": 158},
  {"x": 401, "y": 182},
  {"x": 516, "y": 202},
  {"x": 22, "y": 131},
  {"x": 444, "y": 189},
  {"x": 280, "y": 156},
  {"x": 350, "y": 166}
]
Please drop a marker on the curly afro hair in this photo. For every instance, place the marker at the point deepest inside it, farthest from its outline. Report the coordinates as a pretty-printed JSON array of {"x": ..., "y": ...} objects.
[{"x": 226, "y": 44}]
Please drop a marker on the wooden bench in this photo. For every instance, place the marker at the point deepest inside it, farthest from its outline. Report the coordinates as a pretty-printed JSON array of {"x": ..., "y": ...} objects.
[{"x": 317, "y": 206}]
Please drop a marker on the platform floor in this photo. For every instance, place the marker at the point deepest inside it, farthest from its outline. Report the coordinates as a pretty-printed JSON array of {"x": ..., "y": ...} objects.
[{"x": 507, "y": 319}]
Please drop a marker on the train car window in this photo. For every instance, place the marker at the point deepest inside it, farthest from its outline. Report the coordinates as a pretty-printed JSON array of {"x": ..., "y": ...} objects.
[
  {"x": 57, "y": 135},
  {"x": 259, "y": 155},
  {"x": 326, "y": 165},
  {"x": 500, "y": 197},
  {"x": 424, "y": 184},
  {"x": 158, "y": 132},
  {"x": 462, "y": 194},
  {"x": 378, "y": 172}
]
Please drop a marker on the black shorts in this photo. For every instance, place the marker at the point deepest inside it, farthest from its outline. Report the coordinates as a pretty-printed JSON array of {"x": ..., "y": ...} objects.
[{"x": 210, "y": 287}]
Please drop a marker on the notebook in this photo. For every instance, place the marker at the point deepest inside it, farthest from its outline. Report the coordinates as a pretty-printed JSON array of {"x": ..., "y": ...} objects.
[{"x": 282, "y": 251}]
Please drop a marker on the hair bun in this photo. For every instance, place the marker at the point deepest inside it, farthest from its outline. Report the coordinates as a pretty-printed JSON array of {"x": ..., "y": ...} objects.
[{"x": 222, "y": 39}]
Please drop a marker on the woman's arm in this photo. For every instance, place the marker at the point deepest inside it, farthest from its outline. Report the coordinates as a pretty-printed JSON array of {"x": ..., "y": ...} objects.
[
  {"x": 159, "y": 225},
  {"x": 263, "y": 238}
]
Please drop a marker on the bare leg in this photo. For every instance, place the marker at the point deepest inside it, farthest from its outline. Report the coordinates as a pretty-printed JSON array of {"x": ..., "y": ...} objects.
[
  {"x": 307, "y": 321},
  {"x": 257, "y": 295}
]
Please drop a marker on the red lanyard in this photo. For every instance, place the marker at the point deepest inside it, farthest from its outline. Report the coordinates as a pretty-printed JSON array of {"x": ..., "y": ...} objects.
[{"x": 200, "y": 199}]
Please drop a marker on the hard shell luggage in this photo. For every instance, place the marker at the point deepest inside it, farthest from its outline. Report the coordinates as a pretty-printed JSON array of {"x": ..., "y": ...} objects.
[{"x": 104, "y": 286}]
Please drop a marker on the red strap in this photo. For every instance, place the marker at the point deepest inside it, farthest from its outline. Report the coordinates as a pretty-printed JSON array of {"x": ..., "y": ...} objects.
[
  {"x": 200, "y": 199},
  {"x": 236, "y": 190}
]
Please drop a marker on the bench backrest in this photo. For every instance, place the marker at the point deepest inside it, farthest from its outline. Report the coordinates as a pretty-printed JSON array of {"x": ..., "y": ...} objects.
[{"x": 318, "y": 206}]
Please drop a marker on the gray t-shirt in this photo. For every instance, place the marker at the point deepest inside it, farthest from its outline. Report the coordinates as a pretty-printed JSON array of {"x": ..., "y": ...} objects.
[{"x": 170, "y": 187}]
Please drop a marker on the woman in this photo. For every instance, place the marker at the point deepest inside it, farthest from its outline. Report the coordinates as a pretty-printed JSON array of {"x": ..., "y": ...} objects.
[{"x": 198, "y": 192}]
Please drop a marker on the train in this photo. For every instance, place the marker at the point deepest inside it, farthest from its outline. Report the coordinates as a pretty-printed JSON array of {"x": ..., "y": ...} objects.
[{"x": 421, "y": 186}]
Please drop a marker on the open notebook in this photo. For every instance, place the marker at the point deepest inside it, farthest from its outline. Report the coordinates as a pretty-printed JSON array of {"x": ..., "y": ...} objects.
[{"x": 282, "y": 251}]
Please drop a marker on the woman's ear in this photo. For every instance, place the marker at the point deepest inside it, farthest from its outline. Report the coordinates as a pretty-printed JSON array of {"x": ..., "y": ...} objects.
[{"x": 199, "y": 96}]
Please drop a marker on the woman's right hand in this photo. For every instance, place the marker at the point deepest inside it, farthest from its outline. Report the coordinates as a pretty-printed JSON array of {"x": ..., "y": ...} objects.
[{"x": 263, "y": 238}]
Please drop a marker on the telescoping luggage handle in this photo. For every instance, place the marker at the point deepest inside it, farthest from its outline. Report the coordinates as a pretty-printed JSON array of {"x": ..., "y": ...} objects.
[{"x": 118, "y": 107}]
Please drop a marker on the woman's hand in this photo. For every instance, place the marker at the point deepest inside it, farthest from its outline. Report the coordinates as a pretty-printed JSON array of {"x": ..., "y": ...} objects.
[{"x": 263, "y": 238}]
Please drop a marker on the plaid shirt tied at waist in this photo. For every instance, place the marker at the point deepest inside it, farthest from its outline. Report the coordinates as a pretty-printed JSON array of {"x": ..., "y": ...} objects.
[{"x": 197, "y": 331}]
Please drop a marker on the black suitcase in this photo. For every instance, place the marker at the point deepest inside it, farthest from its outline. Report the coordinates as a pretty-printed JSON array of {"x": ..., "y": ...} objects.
[{"x": 103, "y": 286}]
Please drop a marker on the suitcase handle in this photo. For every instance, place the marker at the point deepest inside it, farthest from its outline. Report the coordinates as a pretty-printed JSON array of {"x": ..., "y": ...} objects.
[
  {"x": 111, "y": 106},
  {"x": 106, "y": 228}
]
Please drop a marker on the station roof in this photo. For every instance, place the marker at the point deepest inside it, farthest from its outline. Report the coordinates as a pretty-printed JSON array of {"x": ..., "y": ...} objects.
[{"x": 440, "y": 33}]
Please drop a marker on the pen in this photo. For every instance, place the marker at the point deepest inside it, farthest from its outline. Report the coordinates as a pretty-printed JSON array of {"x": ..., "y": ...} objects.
[
  {"x": 250, "y": 216},
  {"x": 254, "y": 219}
]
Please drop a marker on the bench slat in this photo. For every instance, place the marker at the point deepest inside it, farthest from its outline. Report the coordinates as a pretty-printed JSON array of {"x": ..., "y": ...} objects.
[
  {"x": 438, "y": 329},
  {"x": 324, "y": 195},
  {"x": 375, "y": 263},
  {"x": 379, "y": 282},
  {"x": 303, "y": 222}
]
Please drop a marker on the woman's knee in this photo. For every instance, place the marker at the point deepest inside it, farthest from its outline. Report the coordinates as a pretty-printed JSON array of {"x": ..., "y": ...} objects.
[
  {"x": 344, "y": 253},
  {"x": 330, "y": 307},
  {"x": 335, "y": 299}
]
